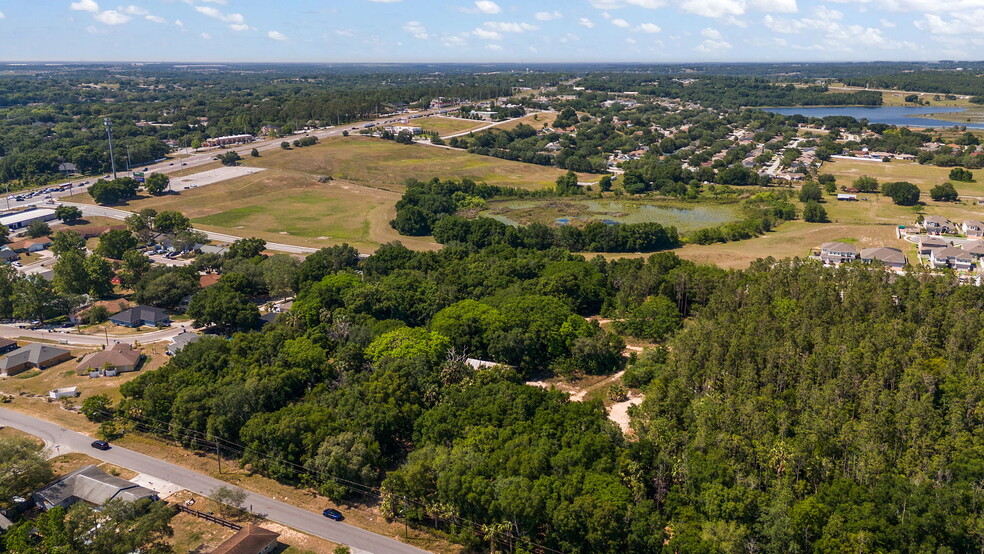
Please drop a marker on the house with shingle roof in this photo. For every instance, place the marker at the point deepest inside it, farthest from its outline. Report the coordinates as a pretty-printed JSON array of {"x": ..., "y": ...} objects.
[
  {"x": 951, "y": 256},
  {"x": 938, "y": 225},
  {"x": 33, "y": 355},
  {"x": 91, "y": 485},
  {"x": 928, "y": 244},
  {"x": 251, "y": 539},
  {"x": 141, "y": 315},
  {"x": 121, "y": 358},
  {"x": 972, "y": 228},
  {"x": 890, "y": 257},
  {"x": 836, "y": 253}
]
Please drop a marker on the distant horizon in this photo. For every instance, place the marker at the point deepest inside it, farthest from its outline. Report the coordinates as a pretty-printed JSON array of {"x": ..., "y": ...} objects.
[
  {"x": 491, "y": 31},
  {"x": 530, "y": 63}
]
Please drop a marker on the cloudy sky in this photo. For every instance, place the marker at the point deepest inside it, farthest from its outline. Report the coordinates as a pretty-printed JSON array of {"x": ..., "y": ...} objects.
[{"x": 491, "y": 30}]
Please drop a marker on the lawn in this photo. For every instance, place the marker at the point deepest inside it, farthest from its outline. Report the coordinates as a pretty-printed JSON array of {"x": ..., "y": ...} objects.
[
  {"x": 386, "y": 164},
  {"x": 684, "y": 216},
  {"x": 446, "y": 125},
  {"x": 290, "y": 207},
  {"x": 923, "y": 176}
]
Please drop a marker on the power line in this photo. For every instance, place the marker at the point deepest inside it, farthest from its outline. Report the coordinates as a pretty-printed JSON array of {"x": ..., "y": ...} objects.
[{"x": 367, "y": 490}]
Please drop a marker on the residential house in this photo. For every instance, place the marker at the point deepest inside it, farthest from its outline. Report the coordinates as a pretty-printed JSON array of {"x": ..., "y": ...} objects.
[
  {"x": 113, "y": 307},
  {"x": 141, "y": 315},
  {"x": 91, "y": 485},
  {"x": 67, "y": 167},
  {"x": 938, "y": 225},
  {"x": 120, "y": 358},
  {"x": 30, "y": 245},
  {"x": 180, "y": 341},
  {"x": 835, "y": 253},
  {"x": 972, "y": 228},
  {"x": 207, "y": 280},
  {"x": 8, "y": 255},
  {"x": 975, "y": 249},
  {"x": 890, "y": 257},
  {"x": 951, "y": 256},
  {"x": 33, "y": 355},
  {"x": 928, "y": 244},
  {"x": 7, "y": 345},
  {"x": 251, "y": 539}
]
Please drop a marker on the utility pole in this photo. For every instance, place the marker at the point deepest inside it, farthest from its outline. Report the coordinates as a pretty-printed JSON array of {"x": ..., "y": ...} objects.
[
  {"x": 128, "y": 172},
  {"x": 218, "y": 457},
  {"x": 109, "y": 133}
]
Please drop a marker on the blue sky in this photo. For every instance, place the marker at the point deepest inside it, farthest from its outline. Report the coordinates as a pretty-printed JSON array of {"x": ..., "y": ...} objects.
[{"x": 491, "y": 30}]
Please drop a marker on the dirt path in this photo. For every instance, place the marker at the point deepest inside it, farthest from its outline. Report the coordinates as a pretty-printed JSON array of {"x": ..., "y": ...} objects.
[{"x": 619, "y": 412}]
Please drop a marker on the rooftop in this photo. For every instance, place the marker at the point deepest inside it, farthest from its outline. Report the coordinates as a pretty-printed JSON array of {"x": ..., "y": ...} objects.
[
  {"x": 91, "y": 484},
  {"x": 26, "y": 215}
]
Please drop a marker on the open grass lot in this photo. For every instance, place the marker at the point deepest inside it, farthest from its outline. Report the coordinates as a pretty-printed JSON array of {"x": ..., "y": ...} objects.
[
  {"x": 535, "y": 120},
  {"x": 290, "y": 207},
  {"x": 684, "y": 216},
  {"x": 386, "y": 164},
  {"x": 446, "y": 125},
  {"x": 923, "y": 176}
]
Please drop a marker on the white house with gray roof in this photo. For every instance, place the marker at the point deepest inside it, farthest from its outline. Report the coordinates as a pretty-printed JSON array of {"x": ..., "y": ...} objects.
[
  {"x": 92, "y": 485},
  {"x": 836, "y": 253}
]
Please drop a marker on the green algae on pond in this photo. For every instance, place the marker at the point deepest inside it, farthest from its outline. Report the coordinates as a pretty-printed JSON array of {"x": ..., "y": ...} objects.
[{"x": 686, "y": 217}]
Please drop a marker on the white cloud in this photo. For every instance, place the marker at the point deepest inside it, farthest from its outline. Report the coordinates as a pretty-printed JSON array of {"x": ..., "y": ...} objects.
[
  {"x": 487, "y": 7},
  {"x": 239, "y": 27},
  {"x": 209, "y": 11},
  {"x": 155, "y": 18},
  {"x": 179, "y": 23},
  {"x": 585, "y": 22},
  {"x": 85, "y": 6},
  {"x": 112, "y": 17},
  {"x": 649, "y": 28},
  {"x": 713, "y": 46},
  {"x": 223, "y": 2},
  {"x": 485, "y": 34},
  {"x": 630, "y": 40},
  {"x": 416, "y": 29},
  {"x": 547, "y": 16},
  {"x": 205, "y": 36},
  {"x": 386, "y": 1},
  {"x": 887, "y": 24},
  {"x": 711, "y": 33},
  {"x": 134, "y": 10},
  {"x": 620, "y": 23},
  {"x": 732, "y": 8},
  {"x": 455, "y": 41},
  {"x": 495, "y": 47},
  {"x": 276, "y": 35},
  {"x": 615, "y": 4},
  {"x": 509, "y": 27},
  {"x": 2, "y": 16},
  {"x": 344, "y": 32}
]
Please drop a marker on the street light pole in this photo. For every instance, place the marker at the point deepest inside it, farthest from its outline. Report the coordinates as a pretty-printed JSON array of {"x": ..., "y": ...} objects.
[{"x": 109, "y": 133}]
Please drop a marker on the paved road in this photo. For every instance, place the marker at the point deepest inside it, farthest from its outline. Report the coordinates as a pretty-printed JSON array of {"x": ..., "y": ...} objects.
[
  {"x": 13, "y": 332},
  {"x": 274, "y": 510},
  {"x": 93, "y": 210}
]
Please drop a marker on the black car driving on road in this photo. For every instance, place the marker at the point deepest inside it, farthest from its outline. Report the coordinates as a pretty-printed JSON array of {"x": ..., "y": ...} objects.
[
  {"x": 332, "y": 513},
  {"x": 100, "y": 445}
]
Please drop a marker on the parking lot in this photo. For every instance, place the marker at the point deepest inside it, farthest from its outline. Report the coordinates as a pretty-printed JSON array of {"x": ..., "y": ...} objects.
[{"x": 211, "y": 176}]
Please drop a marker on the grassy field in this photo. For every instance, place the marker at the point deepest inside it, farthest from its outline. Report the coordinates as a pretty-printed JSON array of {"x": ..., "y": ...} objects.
[
  {"x": 289, "y": 207},
  {"x": 923, "y": 176},
  {"x": 684, "y": 216},
  {"x": 446, "y": 125},
  {"x": 534, "y": 120},
  {"x": 388, "y": 165}
]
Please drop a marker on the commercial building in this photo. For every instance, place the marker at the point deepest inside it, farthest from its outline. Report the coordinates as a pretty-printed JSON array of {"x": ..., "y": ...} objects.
[
  {"x": 228, "y": 140},
  {"x": 22, "y": 219}
]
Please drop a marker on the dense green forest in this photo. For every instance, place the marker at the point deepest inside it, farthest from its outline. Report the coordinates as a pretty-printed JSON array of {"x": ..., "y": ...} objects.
[
  {"x": 799, "y": 408},
  {"x": 944, "y": 82}
]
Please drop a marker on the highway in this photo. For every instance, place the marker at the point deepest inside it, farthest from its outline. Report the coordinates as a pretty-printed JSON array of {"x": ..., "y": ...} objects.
[{"x": 311, "y": 523}]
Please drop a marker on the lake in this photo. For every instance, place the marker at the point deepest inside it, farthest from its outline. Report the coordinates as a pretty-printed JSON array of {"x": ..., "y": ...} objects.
[{"x": 889, "y": 115}]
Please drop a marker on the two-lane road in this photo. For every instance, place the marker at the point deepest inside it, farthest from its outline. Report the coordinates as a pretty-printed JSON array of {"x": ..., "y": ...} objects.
[{"x": 274, "y": 510}]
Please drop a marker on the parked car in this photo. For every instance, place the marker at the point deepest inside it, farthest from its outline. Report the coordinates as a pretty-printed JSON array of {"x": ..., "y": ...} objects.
[
  {"x": 333, "y": 514},
  {"x": 103, "y": 445}
]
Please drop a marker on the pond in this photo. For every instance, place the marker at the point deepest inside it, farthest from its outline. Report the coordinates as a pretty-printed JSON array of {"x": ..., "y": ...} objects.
[
  {"x": 901, "y": 116},
  {"x": 685, "y": 217}
]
